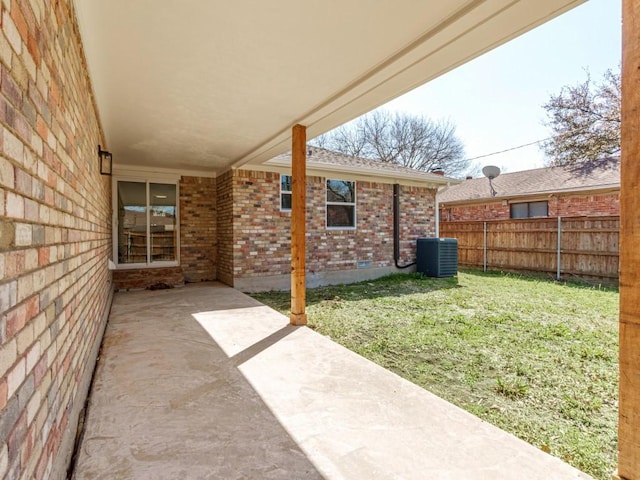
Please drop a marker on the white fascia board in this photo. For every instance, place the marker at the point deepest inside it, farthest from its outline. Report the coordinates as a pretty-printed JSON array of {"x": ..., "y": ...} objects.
[{"x": 358, "y": 173}]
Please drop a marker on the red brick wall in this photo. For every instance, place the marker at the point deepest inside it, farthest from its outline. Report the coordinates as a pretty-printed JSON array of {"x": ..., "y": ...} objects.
[
  {"x": 261, "y": 233},
  {"x": 343, "y": 249},
  {"x": 565, "y": 206},
  {"x": 490, "y": 211},
  {"x": 55, "y": 235},
  {"x": 224, "y": 221},
  {"x": 140, "y": 278},
  {"x": 198, "y": 228},
  {"x": 577, "y": 205},
  {"x": 417, "y": 219}
]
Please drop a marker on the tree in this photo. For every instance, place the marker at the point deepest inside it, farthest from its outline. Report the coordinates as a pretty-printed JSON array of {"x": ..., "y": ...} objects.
[
  {"x": 407, "y": 140},
  {"x": 585, "y": 122}
]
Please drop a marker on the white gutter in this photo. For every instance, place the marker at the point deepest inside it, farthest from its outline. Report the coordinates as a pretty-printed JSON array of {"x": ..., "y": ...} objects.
[{"x": 360, "y": 171}]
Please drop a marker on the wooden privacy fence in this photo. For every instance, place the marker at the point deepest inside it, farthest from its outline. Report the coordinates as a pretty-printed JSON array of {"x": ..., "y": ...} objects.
[{"x": 580, "y": 246}]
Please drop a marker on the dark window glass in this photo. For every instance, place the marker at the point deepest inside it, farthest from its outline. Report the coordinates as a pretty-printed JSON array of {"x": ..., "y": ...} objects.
[
  {"x": 147, "y": 226},
  {"x": 162, "y": 218},
  {"x": 285, "y": 183},
  {"x": 519, "y": 210},
  {"x": 132, "y": 222},
  {"x": 538, "y": 209},
  {"x": 340, "y": 216},
  {"x": 341, "y": 191},
  {"x": 529, "y": 209},
  {"x": 285, "y": 192},
  {"x": 285, "y": 201},
  {"x": 341, "y": 204}
]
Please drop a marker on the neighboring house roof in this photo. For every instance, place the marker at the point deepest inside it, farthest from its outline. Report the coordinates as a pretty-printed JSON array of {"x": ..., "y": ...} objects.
[
  {"x": 604, "y": 174},
  {"x": 324, "y": 161}
]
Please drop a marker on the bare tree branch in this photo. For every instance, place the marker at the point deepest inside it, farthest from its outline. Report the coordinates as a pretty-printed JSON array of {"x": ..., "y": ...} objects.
[
  {"x": 585, "y": 121},
  {"x": 411, "y": 141}
]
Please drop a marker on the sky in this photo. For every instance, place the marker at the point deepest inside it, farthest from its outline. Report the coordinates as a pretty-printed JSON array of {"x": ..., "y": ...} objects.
[{"x": 496, "y": 100}]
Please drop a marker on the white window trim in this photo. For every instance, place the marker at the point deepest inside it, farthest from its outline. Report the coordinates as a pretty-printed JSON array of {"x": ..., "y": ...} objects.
[
  {"x": 354, "y": 204},
  {"x": 114, "y": 223},
  {"x": 282, "y": 209}
]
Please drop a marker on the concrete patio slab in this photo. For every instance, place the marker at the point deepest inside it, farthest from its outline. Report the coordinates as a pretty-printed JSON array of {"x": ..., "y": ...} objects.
[{"x": 205, "y": 382}]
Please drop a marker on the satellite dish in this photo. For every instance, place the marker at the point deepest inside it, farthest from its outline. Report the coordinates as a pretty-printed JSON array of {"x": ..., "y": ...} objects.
[{"x": 491, "y": 171}]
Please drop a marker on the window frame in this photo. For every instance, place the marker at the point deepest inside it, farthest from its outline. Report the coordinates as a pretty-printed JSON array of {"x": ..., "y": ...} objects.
[
  {"x": 285, "y": 192},
  {"x": 147, "y": 181},
  {"x": 528, "y": 204},
  {"x": 328, "y": 203}
]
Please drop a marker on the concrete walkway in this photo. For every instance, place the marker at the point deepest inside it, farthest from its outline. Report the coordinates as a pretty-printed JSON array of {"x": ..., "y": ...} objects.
[{"x": 203, "y": 382}]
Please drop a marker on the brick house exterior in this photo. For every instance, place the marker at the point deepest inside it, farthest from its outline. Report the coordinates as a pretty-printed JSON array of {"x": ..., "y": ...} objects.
[
  {"x": 232, "y": 227},
  {"x": 55, "y": 237},
  {"x": 57, "y": 228},
  {"x": 56, "y": 234},
  {"x": 558, "y": 191}
]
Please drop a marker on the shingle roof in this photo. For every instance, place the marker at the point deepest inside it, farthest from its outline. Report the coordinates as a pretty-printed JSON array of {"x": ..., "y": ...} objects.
[
  {"x": 603, "y": 174},
  {"x": 323, "y": 158}
]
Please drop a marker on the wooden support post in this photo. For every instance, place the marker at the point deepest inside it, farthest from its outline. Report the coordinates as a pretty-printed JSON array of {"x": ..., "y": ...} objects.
[
  {"x": 298, "y": 221},
  {"x": 629, "y": 406}
]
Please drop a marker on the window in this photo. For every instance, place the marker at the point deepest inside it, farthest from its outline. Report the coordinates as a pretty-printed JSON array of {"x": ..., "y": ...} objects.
[
  {"x": 529, "y": 209},
  {"x": 146, "y": 219},
  {"x": 285, "y": 192},
  {"x": 341, "y": 204}
]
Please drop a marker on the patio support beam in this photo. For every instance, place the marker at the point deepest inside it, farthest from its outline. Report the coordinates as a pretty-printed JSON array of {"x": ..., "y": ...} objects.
[
  {"x": 298, "y": 221},
  {"x": 629, "y": 406}
]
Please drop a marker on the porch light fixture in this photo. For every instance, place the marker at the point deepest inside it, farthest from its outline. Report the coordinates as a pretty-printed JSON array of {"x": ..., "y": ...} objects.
[{"x": 106, "y": 161}]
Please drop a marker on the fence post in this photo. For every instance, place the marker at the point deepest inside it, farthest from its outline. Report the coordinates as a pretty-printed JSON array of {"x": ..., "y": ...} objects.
[
  {"x": 559, "y": 245},
  {"x": 485, "y": 246}
]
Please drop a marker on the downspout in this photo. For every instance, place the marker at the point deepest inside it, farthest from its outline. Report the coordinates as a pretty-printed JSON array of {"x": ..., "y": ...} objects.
[{"x": 396, "y": 227}]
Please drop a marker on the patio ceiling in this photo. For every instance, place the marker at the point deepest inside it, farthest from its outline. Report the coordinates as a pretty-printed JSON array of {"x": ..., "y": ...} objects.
[{"x": 209, "y": 85}]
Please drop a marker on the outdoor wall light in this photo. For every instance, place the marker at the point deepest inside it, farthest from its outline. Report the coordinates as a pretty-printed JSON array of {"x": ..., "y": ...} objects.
[{"x": 106, "y": 161}]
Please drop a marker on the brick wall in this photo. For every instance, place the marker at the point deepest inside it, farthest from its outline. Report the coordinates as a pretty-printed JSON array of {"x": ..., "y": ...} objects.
[
  {"x": 565, "y": 206},
  {"x": 576, "y": 205},
  {"x": 224, "y": 221},
  {"x": 140, "y": 278},
  {"x": 198, "y": 227},
  {"x": 198, "y": 241},
  {"x": 261, "y": 232},
  {"x": 55, "y": 236},
  {"x": 371, "y": 241},
  {"x": 489, "y": 211},
  {"x": 417, "y": 219}
]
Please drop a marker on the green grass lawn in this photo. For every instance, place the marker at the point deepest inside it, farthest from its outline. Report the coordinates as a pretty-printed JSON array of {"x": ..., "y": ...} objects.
[{"x": 536, "y": 358}]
